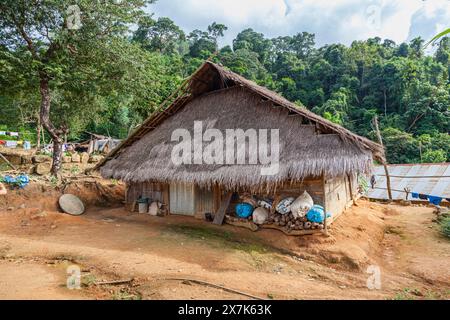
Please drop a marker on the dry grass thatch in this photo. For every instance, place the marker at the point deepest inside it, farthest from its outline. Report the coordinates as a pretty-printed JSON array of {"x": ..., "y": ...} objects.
[{"x": 307, "y": 148}]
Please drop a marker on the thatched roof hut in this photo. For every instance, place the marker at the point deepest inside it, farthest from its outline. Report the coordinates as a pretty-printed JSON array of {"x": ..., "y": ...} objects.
[
  {"x": 315, "y": 155},
  {"x": 310, "y": 145}
]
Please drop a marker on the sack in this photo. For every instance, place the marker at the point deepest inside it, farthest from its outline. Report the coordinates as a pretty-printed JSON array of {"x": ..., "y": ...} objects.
[
  {"x": 260, "y": 215},
  {"x": 267, "y": 204},
  {"x": 244, "y": 210},
  {"x": 153, "y": 210},
  {"x": 302, "y": 205},
  {"x": 284, "y": 206}
]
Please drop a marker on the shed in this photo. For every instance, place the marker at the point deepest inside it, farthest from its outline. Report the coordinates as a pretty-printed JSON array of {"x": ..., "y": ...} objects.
[{"x": 315, "y": 155}]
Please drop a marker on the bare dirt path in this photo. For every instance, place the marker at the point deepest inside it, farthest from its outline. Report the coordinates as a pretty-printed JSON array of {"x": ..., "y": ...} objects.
[{"x": 110, "y": 244}]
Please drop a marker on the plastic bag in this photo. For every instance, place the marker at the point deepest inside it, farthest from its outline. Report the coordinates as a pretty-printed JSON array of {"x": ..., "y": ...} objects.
[
  {"x": 260, "y": 215},
  {"x": 302, "y": 205},
  {"x": 284, "y": 206},
  {"x": 317, "y": 214},
  {"x": 244, "y": 210}
]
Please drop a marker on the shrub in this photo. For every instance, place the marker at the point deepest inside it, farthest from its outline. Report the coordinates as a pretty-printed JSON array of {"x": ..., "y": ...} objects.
[{"x": 445, "y": 227}]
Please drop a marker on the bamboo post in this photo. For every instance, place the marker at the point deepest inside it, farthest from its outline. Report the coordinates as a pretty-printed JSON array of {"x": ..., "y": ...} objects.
[
  {"x": 350, "y": 188},
  {"x": 325, "y": 224},
  {"x": 7, "y": 162},
  {"x": 380, "y": 140}
]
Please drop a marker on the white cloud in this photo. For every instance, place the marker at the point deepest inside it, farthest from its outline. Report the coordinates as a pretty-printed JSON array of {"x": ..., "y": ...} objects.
[{"x": 332, "y": 21}]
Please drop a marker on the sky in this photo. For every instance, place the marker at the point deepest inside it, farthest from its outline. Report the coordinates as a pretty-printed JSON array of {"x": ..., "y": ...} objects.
[{"x": 332, "y": 21}]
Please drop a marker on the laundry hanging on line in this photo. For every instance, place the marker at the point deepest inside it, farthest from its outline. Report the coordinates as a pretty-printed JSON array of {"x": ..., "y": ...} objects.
[{"x": 435, "y": 200}]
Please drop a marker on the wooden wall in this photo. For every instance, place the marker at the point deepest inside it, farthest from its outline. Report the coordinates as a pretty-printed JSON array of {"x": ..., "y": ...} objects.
[
  {"x": 205, "y": 200},
  {"x": 338, "y": 193},
  {"x": 333, "y": 193},
  {"x": 154, "y": 191}
]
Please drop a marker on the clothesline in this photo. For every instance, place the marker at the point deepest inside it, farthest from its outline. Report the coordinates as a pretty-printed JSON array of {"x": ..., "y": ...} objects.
[{"x": 415, "y": 195}]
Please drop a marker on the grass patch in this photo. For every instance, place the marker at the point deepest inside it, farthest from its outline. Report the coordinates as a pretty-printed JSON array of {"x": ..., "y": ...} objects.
[
  {"x": 218, "y": 238},
  {"x": 407, "y": 294},
  {"x": 394, "y": 230},
  {"x": 445, "y": 227},
  {"x": 125, "y": 295},
  {"x": 4, "y": 166},
  {"x": 415, "y": 294}
]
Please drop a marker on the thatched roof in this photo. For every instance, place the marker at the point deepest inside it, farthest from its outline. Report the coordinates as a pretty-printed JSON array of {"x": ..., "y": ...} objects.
[{"x": 311, "y": 145}]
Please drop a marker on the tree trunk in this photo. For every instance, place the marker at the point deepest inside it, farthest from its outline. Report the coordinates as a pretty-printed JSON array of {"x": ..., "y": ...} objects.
[
  {"x": 48, "y": 125},
  {"x": 38, "y": 139}
]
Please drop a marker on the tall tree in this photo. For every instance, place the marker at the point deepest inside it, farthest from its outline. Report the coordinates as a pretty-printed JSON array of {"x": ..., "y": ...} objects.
[{"x": 67, "y": 46}]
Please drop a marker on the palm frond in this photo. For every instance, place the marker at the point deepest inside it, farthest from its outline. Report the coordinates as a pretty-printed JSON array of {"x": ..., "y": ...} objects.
[{"x": 437, "y": 37}]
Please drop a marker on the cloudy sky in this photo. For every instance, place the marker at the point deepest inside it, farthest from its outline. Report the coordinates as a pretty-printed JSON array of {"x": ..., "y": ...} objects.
[{"x": 331, "y": 20}]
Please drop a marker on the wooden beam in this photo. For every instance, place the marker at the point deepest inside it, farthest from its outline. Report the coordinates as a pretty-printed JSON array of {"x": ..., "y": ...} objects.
[
  {"x": 7, "y": 162},
  {"x": 325, "y": 222},
  {"x": 220, "y": 214}
]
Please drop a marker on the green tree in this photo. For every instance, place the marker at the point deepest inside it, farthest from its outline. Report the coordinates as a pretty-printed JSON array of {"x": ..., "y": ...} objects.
[{"x": 74, "y": 52}]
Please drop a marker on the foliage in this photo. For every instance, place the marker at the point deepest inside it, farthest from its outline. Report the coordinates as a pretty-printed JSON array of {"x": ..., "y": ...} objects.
[
  {"x": 113, "y": 72},
  {"x": 445, "y": 227}
]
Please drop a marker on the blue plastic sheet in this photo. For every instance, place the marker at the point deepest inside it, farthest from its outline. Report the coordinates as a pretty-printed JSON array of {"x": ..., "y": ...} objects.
[
  {"x": 317, "y": 214},
  {"x": 21, "y": 181}
]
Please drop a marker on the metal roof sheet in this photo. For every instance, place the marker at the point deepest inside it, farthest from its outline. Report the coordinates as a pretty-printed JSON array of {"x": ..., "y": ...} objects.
[{"x": 429, "y": 179}]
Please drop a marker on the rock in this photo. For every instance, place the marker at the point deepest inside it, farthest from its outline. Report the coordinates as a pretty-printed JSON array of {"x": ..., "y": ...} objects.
[
  {"x": 53, "y": 226},
  {"x": 27, "y": 159},
  {"x": 84, "y": 157},
  {"x": 39, "y": 215},
  {"x": 14, "y": 159},
  {"x": 22, "y": 206},
  {"x": 95, "y": 158},
  {"x": 76, "y": 158},
  {"x": 42, "y": 168},
  {"x": 42, "y": 159},
  {"x": 66, "y": 159},
  {"x": 405, "y": 203}
]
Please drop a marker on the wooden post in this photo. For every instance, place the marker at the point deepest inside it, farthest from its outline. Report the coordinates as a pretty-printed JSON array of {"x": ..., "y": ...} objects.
[
  {"x": 325, "y": 224},
  {"x": 220, "y": 214},
  {"x": 38, "y": 138},
  {"x": 350, "y": 188},
  {"x": 380, "y": 140}
]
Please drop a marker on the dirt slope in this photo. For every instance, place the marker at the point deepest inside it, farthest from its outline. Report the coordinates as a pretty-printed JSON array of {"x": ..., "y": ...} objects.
[{"x": 111, "y": 244}]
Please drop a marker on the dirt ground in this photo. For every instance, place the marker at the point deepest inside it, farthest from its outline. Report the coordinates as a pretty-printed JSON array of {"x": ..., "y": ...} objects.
[{"x": 156, "y": 256}]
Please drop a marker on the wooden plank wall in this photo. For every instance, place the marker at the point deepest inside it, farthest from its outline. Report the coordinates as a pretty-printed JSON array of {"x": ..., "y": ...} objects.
[
  {"x": 314, "y": 186},
  {"x": 154, "y": 191},
  {"x": 337, "y": 191}
]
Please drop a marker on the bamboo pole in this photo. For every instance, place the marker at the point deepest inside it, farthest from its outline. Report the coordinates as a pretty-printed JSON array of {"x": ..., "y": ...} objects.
[
  {"x": 7, "y": 162},
  {"x": 386, "y": 170},
  {"x": 325, "y": 222}
]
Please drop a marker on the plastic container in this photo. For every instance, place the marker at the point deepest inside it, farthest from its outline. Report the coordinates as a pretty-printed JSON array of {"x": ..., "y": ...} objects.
[{"x": 142, "y": 205}]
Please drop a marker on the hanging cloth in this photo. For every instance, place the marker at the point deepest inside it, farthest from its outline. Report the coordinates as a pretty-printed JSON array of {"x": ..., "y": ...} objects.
[
  {"x": 435, "y": 200},
  {"x": 415, "y": 195},
  {"x": 423, "y": 196}
]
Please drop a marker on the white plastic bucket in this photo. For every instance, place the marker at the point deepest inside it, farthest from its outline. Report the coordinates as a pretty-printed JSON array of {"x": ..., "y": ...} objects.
[{"x": 143, "y": 207}]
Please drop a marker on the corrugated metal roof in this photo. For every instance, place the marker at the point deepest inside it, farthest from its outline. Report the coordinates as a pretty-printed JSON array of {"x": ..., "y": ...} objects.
[{"x": 429, "y": 179}]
